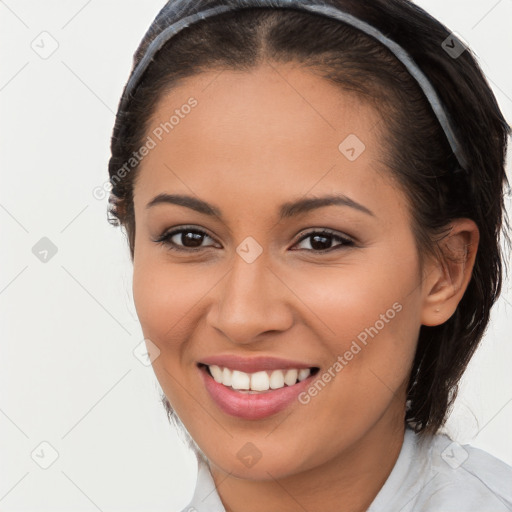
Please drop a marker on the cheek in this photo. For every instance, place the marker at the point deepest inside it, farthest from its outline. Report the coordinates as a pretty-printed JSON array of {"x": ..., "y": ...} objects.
[
  {"x": 352, "y": 296},
  {"x": 369, "y": 315},
  {"x": 166, "y": 299},
  {"x": 163, "y": 295},
  {"x": 170, "y": 300}
]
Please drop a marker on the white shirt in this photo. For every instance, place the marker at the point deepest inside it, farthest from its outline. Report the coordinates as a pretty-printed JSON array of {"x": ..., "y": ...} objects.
[{"x": 431, "y": 475}]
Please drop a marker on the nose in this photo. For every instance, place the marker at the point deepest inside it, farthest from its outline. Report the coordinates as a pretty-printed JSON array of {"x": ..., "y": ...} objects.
[{"x": 251, "y": 301}]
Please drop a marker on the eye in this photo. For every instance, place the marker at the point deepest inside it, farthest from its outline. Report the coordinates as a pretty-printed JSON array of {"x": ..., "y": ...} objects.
[
  {"x": 320, "y": 241},
  {"x": 190, "y": 239},
  {"x": 183, "y": 239}
]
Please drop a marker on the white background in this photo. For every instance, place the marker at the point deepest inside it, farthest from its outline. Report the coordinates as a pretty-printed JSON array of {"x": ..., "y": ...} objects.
[{"x": 68, "y": 374}]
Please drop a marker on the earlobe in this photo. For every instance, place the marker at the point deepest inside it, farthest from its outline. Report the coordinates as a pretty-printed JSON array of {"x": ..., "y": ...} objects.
[{"x": 448, "y": 277}]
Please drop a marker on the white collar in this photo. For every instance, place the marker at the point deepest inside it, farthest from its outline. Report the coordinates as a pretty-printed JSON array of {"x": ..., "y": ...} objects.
[{"x": 426, "y": 477}]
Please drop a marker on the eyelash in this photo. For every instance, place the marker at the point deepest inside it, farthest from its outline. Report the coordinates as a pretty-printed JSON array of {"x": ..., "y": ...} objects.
[{"x": 165, "y": 239}]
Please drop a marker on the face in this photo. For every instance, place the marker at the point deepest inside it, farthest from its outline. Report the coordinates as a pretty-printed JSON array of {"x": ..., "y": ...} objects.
[{"x": 240, "y": 277}]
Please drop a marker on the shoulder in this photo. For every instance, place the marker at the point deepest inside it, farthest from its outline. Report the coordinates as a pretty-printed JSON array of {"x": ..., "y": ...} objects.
[
  {"x": 431, "y": 474},
  {"x": 435, "y": 474},
  {"x": 468, "y": 477}
]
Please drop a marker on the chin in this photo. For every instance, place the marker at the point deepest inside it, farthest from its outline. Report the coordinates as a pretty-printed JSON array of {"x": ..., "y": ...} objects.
[{"x": 260, "y": 460}]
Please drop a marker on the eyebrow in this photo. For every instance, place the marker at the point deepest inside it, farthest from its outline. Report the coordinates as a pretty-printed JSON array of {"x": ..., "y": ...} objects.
[{"x": 287, "y": 210}]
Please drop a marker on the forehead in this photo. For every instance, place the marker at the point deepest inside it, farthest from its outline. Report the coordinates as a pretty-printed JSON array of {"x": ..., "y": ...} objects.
[{"x": 261, "y": 133}]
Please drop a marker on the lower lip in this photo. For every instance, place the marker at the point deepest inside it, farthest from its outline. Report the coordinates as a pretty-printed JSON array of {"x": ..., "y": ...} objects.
[{"x": 252, "y": 406}]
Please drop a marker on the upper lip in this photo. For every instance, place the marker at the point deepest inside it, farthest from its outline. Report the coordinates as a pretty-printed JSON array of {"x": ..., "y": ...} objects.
[{"x": 253, "y": 364}]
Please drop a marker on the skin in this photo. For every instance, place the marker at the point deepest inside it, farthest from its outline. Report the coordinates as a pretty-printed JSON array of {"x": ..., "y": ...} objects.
[{"x": 252, "y": 143}]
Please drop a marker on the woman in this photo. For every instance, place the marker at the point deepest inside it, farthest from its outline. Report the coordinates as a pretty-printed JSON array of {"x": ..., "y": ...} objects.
[{"x": 305, "y": 187}]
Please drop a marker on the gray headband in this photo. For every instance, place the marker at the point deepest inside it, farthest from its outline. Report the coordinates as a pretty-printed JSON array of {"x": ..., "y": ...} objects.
[{"x": 184, "y": 13}]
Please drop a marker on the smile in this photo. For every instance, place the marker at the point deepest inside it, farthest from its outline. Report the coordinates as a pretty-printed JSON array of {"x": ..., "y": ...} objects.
[
  {"x": 258, "y": 381},
  {"x": 254, "y": 395}
]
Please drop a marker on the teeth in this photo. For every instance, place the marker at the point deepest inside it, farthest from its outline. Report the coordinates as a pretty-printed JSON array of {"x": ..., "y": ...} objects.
[
  {"x": 217, "y": 373},
  {"x": 259, "y": 381},
  {"x": 304, "y": 373},
  {"x": 240, "y": 380},
  {"x": 277, "y": 379},
  {"x": 290, "y": 377},
  {"x": 226, "y": 377}
]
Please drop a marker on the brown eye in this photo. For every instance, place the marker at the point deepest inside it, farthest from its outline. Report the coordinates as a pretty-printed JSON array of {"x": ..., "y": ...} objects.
[
  {"x": 189, "y": 238},
  {"x": 321, "y": 241},
  {"x": 184, "y": 239}
]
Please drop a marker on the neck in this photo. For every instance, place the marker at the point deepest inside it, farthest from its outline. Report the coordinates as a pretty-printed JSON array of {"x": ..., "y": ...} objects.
[{"x": 349, "y": 481}]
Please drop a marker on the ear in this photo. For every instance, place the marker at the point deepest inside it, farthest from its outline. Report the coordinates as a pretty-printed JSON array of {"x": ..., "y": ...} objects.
[{"x": 446, "y": 278}]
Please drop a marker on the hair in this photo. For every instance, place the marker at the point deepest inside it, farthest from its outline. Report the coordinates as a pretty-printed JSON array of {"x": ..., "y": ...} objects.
[{"x": 416, "y": 150}]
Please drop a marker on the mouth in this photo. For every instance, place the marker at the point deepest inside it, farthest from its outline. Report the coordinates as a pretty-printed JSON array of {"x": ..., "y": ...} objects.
[
  {"x": 258, "y": 394},
  {"x": 262, "y": 381}
]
